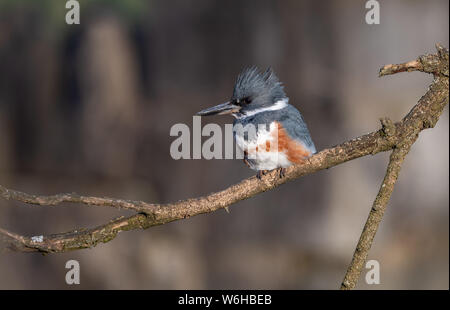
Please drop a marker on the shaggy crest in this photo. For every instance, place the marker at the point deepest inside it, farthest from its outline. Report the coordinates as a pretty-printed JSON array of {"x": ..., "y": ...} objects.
[{"x": 251, "y": 83}]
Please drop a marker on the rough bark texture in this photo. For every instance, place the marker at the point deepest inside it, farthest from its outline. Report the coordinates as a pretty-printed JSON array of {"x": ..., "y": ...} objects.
[
  {"x": 424, "y": 115},
  {"x": 375, "y": 217},
  {"x": 398, "y": 137}
]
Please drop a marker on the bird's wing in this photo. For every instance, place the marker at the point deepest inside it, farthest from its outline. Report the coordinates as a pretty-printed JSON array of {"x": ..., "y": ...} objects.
[{"x": 295, "y": 125}]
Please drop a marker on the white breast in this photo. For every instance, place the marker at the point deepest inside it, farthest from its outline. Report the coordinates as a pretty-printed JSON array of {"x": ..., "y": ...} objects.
[{"x": 263, "y": 159}]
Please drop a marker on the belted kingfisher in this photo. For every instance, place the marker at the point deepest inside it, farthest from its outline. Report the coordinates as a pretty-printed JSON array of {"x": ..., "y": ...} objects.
[{"x": 281, "y": 137}]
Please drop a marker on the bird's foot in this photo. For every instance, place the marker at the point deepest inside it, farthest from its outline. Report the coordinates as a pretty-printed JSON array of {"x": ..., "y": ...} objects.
[
  {"x": 282, "y": 172},
  {"x": 261, "y": 173},
  {"x": 246, "y": 159}
]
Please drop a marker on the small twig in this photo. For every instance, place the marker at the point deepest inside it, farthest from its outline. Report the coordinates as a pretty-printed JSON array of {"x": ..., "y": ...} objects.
[
  {"x": 430, "y": 63},
  {"x": 414, "y": 65},
  {"x": 58, "y": 199}
]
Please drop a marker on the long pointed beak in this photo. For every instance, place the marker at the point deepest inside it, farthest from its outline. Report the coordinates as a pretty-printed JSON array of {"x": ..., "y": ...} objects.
[{"x": 224, "y": 108}]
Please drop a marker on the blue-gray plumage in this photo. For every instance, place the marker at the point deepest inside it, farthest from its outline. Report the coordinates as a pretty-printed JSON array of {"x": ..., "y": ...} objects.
[
  {"x": 281, "y": 138},
  {"x": 289, "y": 117}
]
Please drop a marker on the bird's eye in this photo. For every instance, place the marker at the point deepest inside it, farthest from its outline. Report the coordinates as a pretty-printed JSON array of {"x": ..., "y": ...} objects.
[{"x": 240, "y": 102}]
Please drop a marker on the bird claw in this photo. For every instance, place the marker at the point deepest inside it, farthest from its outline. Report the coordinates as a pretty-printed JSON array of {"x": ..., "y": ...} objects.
[
  {"x": 261, "y": 173},
  {"x": 282, "y": 172}
]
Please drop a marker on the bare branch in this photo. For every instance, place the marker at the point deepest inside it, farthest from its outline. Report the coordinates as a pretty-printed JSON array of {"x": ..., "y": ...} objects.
[
  {"x": 434, "y": 63},
  {"x": 413, "y": 65},
  {"x": 397, "y": 157},
  {"x": 375, "y": 217},
  {"x": 391, "y": 136},
  {"x": 58, "y": 199}
]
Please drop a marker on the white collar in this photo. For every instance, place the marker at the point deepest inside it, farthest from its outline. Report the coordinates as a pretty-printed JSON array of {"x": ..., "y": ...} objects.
[{"x": 280, "y": 104}]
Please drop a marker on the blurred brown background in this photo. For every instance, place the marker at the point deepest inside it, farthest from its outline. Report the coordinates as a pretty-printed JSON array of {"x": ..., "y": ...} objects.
[{"x": 88, "y": 108}]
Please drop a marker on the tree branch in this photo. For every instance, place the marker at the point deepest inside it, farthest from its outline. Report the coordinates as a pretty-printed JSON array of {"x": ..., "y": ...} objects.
[
  {"x": 429, "y": 64},
  {"x": 374, "y": 219},
  {"x": 391, "y": 136}
]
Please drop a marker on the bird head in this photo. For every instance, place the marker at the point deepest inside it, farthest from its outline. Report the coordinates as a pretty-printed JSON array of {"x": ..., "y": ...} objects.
[{"x": 253, "y": 91}]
